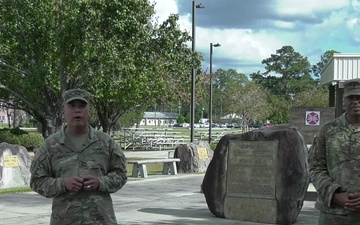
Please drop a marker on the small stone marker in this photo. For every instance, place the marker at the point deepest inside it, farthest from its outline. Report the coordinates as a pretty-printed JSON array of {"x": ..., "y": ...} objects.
[
  {"x": 15, "y": 164},
  {"x": 260, "y": 176},
  {"x": 194, "y": 157}
]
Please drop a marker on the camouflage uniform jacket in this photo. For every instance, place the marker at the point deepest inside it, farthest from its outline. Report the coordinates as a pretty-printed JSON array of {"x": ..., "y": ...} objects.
[
  {"x": 100, "y": 156},
  {"x": 334, "y": 161}
]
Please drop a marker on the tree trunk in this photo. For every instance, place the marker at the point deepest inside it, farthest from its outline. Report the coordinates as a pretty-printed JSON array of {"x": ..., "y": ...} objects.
[
  {"x": 50, "y": 126},
  {"x": 105, "y": 127},
  {"x": 104, "y": 122}
]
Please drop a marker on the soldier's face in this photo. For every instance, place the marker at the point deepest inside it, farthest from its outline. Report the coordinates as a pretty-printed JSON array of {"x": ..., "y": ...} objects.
[
  {"x": 76, "y": 113},
  {"x": 352, "y": 104}
]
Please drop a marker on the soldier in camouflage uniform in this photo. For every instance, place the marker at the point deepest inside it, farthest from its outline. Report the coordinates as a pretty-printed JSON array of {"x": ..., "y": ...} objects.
[
  {"x": 79, "y": 167},
  {"x": 334, "y": 161}
]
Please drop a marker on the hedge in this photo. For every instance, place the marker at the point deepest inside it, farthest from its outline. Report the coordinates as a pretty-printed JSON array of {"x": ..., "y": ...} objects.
[{"x": 19, "y": 137}]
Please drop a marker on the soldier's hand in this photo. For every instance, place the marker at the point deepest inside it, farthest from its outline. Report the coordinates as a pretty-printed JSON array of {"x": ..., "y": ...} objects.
[
  {"x": 90, "y": 182},
  {"x": 341, "y": 198},
  {"x": 73, "y": 183},
  {"x": 354, "y": 203}
]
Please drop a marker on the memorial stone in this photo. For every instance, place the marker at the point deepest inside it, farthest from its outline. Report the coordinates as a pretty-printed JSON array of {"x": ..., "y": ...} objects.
[
  {"x": 15, "y": 164},
  {"x": 194, "y": 157},
  {"x": 260, "y": 176}
]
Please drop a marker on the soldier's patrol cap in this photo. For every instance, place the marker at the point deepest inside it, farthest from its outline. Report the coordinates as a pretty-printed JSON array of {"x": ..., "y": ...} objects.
[
  {"x": 76, "y": 94},
  {"x": 352, "y": 87}
]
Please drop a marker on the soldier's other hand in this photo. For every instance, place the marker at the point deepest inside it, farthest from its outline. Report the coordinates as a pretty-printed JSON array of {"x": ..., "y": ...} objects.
[
  {"x": 354, "y": 203},
  {"x": 73, "y": 183},
  {"x": 341, "y": 198},
  {"x": 90, "y": 182}
]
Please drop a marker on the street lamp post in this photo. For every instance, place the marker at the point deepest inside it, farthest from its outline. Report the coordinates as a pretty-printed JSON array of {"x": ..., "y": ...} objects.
[
  {"x": 192, "y": 105},
  {"x": 210, "y": 89},
  {"x": 202, "y": 113},
  {"x": 179, "y": 107}
]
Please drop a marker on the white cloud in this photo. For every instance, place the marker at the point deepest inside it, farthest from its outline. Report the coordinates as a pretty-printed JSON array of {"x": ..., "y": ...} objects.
[
  {"x": 329, "y": 26},
  {"x": 308, "y": 7},
  {"x": 311, "y": 27},
  {"x": 238, "y": 45},
  {"x": 354, "y": 27},
  {"x": 356, "y": 4},
  {"x": 284, "y": 25},
  {"x": 163, "y": 8},
  {"x": 351, "y": 24}
]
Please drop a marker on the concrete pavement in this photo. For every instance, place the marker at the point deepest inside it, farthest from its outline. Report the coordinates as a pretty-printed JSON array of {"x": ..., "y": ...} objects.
[{"x": 159, "y": 199}]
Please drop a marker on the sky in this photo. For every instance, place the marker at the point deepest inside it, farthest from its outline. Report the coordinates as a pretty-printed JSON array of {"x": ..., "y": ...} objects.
[{"x": 251, "y": 30}]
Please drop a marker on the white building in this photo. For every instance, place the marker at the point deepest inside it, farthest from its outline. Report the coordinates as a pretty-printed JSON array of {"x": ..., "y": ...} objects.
[
  {"x": 159, "y": 119},
  {"x": 341, "y": 68}
]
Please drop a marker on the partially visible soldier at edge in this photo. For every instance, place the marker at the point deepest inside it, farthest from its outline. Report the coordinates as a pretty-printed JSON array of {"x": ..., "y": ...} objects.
[
  {"x": 79, "y": 167},
  {"x": 334, "y": 161}
]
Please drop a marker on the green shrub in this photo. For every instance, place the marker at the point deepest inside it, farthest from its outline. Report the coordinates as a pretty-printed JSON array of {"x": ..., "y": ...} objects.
[
  {"x": 180, "y": 119},
  {"x": 19, "y": 137},
  {"x": 17, "y": 131},
  {"x": 8, "y": 137},
  {"x": 213, "y": 146},
  {"x": 31, "y": 140}
]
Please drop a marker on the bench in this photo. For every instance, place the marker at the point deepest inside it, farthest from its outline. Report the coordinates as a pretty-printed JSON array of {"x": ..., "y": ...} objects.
[{"x": 140, "y": 170}]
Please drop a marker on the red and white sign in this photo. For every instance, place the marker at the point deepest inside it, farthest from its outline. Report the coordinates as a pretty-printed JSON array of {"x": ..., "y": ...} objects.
[{"x": 312, "y": 118}]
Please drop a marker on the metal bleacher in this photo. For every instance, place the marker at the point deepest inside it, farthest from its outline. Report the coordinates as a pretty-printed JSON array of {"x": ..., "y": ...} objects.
[
  {"x": 149, "y": 139},
  {"x": 159, "y": 139}
]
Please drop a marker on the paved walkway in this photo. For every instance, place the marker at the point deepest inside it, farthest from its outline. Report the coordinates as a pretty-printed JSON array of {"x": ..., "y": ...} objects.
[{"x": 159, "y": 199}]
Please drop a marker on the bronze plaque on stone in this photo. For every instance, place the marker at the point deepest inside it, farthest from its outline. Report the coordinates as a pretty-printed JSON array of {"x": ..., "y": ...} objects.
[
  {"x": 251, "y": 169},
  {"x": 11, "y": 161},
  {"x": 251, "y": 181},
  {"x": 202, "y": 153}
]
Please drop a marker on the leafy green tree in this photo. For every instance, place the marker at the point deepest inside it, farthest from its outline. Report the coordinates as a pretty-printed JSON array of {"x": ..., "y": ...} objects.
[
  {"x": 250, "y": 102},
  {"x": 111, "y": 48},
  {"x": 29, "y": 62},
  {"x": 324, "y": 59},
  {"x": 280, "y": 109},
  {"x": 129, "y": 119},
  {"x": 222, "y": 81},
  {"x": 317, "y": 96},
  {"x": 272, "y": 84},
  {"x": 300, "y": 84},
  {"x": 180, "y": 119},
  {"x": 289, "y": 65},
  {"x": 187, "y": 118},
  {"x": 197, "y": 118},
  {"x": 226, "y": 78}
]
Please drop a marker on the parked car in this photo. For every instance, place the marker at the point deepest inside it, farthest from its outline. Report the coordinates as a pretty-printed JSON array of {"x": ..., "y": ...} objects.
[
  {"x": 255, "y": 126},
  {"x": 205, "y": 125},
  {"x": 185, "y": 125},
  {"x": 223, "y": 125},
  {"x": 233, "y": 125}
]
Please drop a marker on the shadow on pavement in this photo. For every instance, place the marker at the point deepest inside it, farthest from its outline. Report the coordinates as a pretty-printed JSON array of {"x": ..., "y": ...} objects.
[{"x": 189, "y": 216}]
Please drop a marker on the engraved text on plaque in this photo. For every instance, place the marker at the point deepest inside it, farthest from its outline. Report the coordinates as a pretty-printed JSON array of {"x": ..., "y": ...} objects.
[{"x": 251, "y": 169}]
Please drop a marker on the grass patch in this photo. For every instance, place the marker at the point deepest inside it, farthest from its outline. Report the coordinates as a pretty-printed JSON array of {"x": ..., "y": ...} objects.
[{"x": 14, "y": 190}]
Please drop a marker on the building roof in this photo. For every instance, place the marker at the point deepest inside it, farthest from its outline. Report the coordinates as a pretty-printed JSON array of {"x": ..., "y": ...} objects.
[
  {"x": 340, "y": 68},
  {"x": 160, "y": 115}
]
